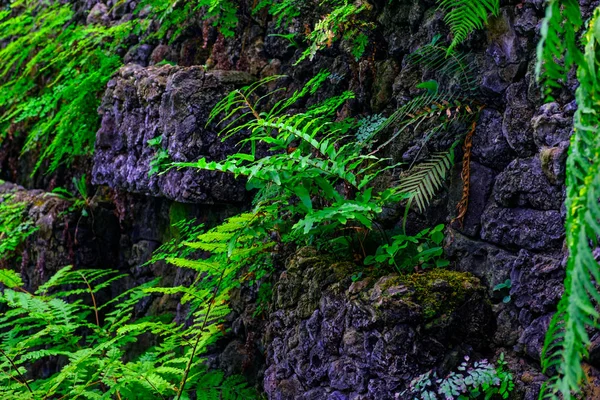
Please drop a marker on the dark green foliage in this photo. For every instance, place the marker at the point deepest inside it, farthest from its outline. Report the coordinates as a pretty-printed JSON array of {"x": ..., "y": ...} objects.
[
  {"x": 558, "y": 49},
  {"x": 15, "y": 226},
  {"x": 81, "y": 201},
  {"x": 450, "y": 66},
  {"x": 567, "y": 341},
  {"x": 339, "y": 19},
  {"x": 63, "y": 323},
  {"x": 411, "y": 253},
  {"x": 323, "y": 182},
  {"x": 174, "y": 16},
  {"x": 53, "y": 72}
]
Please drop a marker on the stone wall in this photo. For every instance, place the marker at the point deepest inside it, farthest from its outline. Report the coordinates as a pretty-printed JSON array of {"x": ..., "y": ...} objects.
[{"x": 325, "y": 338}]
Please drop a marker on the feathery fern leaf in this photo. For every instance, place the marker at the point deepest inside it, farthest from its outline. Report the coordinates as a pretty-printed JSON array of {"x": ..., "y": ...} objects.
[
  {"x": 424, "y": 179},
  {"x": 567, "y": 340},
  {"x": 464, "y": 16},
  {"x": 448, "y": 64},
  {"x": 10, "y": 279},
  {"x": 558, "y": 49},
  {"x": 15, "y": 225}
]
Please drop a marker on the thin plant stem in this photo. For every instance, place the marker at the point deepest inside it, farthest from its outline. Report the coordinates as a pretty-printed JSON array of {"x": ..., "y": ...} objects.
[{"x": 23, "y": 380}]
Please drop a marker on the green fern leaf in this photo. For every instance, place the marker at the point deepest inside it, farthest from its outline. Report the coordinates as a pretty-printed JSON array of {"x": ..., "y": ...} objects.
[
  {"x": 567, "y": 340},
  {"x": 423, "y": 180},
  {"x": 464, "y": 16},
  {"x": 10, "y": 279}
]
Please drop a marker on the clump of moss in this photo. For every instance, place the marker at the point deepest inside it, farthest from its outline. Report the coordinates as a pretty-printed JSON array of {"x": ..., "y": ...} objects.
[{"x": 440, "y": 291}]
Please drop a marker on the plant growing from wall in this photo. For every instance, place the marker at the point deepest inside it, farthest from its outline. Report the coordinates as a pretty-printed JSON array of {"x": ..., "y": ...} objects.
[
  {"x": 412, "y": 253},
  {"x": 465, "y": 16},
  {"x": 81, "y": 201},
  {"x": 567, "y": 340},
  {"x": 63, "y": 323},
  {"x": 53, "y": 72},
  {"x": 15, "y": 226},
  {"x": 323, "y": 183},
  {"x": 472, "y": 380},
  {"x": 426, "y": 178},
  {"x": 339, "y": 19}
]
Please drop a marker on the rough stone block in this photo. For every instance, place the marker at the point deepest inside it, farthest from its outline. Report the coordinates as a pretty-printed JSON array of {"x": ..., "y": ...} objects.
[{"x": 172, "y": 103}]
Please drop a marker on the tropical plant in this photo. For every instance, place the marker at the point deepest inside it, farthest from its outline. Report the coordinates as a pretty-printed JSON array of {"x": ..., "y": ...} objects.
[
  {"x": 88, "y": 344},
  {"x": 558, "y": 49},
  {"x": 15, "y": 225},
  {"x": 323, "y": 182},
  {"x": 464, "y": 16},
  {"x": 81, "y": 202},
  {"x": 342, "y": 22},
  {"x": 412, "y": 253},
  {"x": 425, "y": 179},
  {"x": 173, "y": 16},
  {"x": 567, "y": 340},
  {"x": 53, "y": 72},
  {"x": 478, "y": 380},
  {"x": 339, "y": 19}
]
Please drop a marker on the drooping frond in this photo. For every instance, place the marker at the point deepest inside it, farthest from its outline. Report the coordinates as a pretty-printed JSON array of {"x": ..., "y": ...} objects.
[
  {"x": 10, "y": 279},
  {"x": 440, "y": 109},
  {"x": 464, "y": 16},
  {"x": 15, "y": 225},
  {"x": 423, "y": 180},
  {"x": 567, "y": 340},
  {"x": 558, "y": 49},
  {"x": 45, "y": 44}
]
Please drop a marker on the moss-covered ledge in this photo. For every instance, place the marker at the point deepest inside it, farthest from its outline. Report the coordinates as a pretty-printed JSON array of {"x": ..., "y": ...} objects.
[{"x": 329, "y": 332}]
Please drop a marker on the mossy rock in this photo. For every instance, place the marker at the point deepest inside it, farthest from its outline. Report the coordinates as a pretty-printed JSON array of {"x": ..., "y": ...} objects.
[
  {"x": 441, "y": 291},
  {"x": 437, "y": 292}
]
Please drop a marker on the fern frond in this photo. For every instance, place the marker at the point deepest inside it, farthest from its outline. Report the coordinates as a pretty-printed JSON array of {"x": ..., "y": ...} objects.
[
  {"x": 10, "y": 279},
  {"x": 558, "y": 49},
  {"x": 567, "y": 340},
  {"x": 464, "y": 16},
  {"x": 424, "y": 179}
]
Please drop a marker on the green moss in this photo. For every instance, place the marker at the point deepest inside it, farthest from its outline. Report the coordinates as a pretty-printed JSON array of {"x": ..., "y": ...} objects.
[{"x": 440, "y": 291}]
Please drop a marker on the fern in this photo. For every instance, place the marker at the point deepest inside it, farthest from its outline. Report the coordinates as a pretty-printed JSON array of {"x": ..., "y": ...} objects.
[
  {"x": 15, "y": 226},
  {"x": 174, "y": 16},
  {"x": 57, "y": 322},
  {"x": 10, "y": 279},
  {"x": 308, "y": 175},
  {"x": 464, "y": 16},
  {"x": 438, "y": 109},
  {"x": 558, "y": 49},
  {"x": 424, "y": 179},
  {"x": 74, "y": 63},
  {"x": 447, "y": 63},
  {"x": 567, "y": 340}
]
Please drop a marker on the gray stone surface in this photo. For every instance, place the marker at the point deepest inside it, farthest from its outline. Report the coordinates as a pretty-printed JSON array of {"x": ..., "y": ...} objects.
[
  {"x": 519, "y": 228},
  {"x": 173, "y": 103},
  {"x": 366, "y": 339},
  {"x": 326, "y": 337},
  {"x": 524, "y": 184}
]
